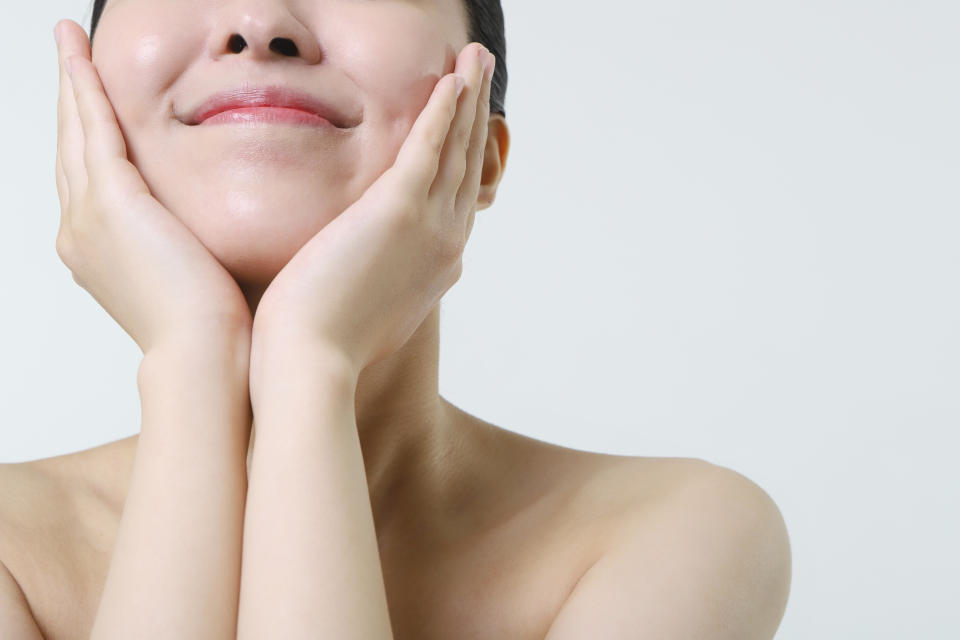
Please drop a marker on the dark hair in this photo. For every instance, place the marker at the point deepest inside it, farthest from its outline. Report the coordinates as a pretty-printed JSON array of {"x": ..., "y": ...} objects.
[{"x": 485, "y": 18}]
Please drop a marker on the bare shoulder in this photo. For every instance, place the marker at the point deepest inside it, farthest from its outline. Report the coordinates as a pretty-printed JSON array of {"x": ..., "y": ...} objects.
[
  {"x": 700, "y": 550},
  {"x": 52, "y": 508},
  {"x": 32, "y": 508},
  {"x": 634, "y": 486},
  {"x": 690, "y": 500},
  {"x": 723, "y": 506},
  {"x": 58, "y": 520},
  {"x": 48, "y": 486},
  {"x": 30, "y": 496},
  {"x": 662, "y": 487},
  {"x": 693, "y": 481}
]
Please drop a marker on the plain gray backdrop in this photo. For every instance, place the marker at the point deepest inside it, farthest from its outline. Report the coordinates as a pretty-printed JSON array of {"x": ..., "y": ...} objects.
[{"x": 727, "y": 230}]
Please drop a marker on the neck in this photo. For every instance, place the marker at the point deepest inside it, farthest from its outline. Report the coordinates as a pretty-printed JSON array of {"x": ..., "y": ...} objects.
[
  {"x": 407, "y": 431},
  {"x": 416, "y": 446}
]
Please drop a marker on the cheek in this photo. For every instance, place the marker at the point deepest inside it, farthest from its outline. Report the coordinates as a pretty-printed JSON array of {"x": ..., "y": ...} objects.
[
  {"x": 398, "y": 59},
  {"x": 138, "y": 51},
  {"x": 397, "y": 75}
]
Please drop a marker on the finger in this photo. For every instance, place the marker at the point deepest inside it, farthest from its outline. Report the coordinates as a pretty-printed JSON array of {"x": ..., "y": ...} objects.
[
  {"x": 419, "y": 155},
  {"x": 470, "y": 186},
  {"x": 453, "y": 161},
  {"x": 103, "y": 142},
  {"x": 60, "y": 90},
  {"x": 63, "y": 188},
  {"x": 73, "y": 41}
]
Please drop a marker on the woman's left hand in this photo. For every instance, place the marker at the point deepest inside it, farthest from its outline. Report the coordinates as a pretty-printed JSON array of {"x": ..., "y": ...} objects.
[{"x": 364, "y": 283}]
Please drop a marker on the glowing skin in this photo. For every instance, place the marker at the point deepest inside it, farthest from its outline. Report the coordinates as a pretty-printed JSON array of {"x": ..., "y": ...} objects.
[
  {"x": 388, "y": 452},
  {"x": 254, "y": 195},
  {"x": 528, "y": 535}
]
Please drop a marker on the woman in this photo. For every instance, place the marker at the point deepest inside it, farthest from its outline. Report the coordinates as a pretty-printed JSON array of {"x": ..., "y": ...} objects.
[{"x": 282, "y": 273}]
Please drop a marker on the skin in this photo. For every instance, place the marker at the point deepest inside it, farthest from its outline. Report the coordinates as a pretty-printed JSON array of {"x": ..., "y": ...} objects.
[
  {"x": 459, "y": 511},
  {"x": 253, "y": 197}
]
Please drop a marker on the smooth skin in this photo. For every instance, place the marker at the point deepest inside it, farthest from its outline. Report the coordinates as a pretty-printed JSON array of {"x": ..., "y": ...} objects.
[
  {"x": 351, "y": 296},
  {"x": 175, "y": 567},
  {"x": 537, "y": 540}
]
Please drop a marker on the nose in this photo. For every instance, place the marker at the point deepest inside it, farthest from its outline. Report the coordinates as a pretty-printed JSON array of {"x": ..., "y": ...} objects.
[{"x": 264, "y": 31}]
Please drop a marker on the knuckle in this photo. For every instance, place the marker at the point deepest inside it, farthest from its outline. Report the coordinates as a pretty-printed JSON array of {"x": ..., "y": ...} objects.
[
  {"x": 101, "y": 195},
  {"x": 462, "y": 165},
  {"x": 66, "y": 250},
  {"x": 86, "y": 223},
  {"x": 436, "y": 144},
  {"x": 431, "y": 228},
  {"x": 438, "y": 237},
  {"x": 456, "y": 270},
  {"x": 64, "y": 247},
  {"x": 458, "y": 243},
  {"x": 407, "y": 215},
  {"x": 411, "y": 186},
  {"x": 450, "y": 245}
]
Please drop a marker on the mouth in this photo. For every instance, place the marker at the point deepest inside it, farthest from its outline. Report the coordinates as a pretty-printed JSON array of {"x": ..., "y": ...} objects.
[
  {"x": 273, "y": 103},
  {"x": 266, "y": 114}
]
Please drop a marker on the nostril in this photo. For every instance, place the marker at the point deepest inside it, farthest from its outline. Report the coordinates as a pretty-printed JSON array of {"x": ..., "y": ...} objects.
[
  {"x": 284, "y": 46},
  {"x": 236, "y": 44}
]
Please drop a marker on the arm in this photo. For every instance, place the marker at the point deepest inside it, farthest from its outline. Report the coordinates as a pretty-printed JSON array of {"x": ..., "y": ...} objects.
[
  {"x": 713, "y": 562},
  {"x": 311, "y": 563},
  {"x": 175, "y": 568},
  {"x": 350, "y": 297}
]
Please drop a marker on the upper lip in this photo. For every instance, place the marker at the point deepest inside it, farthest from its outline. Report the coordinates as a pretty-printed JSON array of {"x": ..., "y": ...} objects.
[{"x": 269, "y": 96}]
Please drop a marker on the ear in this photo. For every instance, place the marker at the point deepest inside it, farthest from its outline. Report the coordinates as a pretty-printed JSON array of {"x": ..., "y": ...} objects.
[{"x": 494, "y": 159}]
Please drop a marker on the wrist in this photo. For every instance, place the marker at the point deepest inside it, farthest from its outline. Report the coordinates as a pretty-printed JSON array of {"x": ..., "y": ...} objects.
[
  {"x": 290, "y": 365},
  {"x": 222, "y": 353}
]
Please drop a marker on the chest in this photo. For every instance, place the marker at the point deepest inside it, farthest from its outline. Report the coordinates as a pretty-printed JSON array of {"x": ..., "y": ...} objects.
[
  {"x": 506, "y": 583},
  {"x": 510, "y": 584}
]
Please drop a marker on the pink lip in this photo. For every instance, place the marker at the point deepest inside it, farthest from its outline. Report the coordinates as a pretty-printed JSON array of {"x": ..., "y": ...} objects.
[
  {"x": 283, "y": 115},
  {"x": 274, "y": 103}
]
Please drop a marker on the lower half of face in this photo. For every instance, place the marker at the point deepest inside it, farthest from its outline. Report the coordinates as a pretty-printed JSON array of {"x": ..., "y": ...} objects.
[{"x": 255, "y": 192}]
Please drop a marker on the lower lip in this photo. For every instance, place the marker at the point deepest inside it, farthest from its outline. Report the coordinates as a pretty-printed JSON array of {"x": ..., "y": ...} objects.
[{"x": 279, "y": 115}]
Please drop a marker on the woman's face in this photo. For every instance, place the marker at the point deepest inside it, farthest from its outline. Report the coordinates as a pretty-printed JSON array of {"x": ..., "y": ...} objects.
[{"x": 255, "y": 193}]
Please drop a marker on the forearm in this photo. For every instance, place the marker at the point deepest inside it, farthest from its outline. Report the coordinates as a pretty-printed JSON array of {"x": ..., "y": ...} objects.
[
  {"x": 175, "y": 567},
  {"x": 311, "y": 563}
]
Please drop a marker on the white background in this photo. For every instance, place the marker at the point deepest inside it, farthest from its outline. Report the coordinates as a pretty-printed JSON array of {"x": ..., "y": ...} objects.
[{"x": 727, "y": 231}]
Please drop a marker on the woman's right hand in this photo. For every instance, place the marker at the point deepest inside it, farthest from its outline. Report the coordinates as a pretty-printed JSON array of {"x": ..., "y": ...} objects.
[{"x": 141, "y": 264}]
